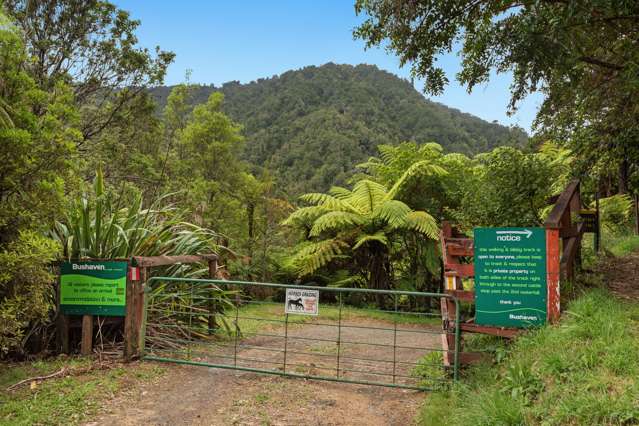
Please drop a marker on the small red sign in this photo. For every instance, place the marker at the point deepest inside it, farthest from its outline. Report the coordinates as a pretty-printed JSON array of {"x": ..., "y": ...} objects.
[{"x": 134, "y": 273}]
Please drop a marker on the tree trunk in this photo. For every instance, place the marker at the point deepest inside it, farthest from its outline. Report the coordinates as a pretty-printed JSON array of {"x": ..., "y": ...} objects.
[
  {"x": 379, "y": 275},
  {"x": 250, "y": 213},
  {"x": 623, "y": 175}
]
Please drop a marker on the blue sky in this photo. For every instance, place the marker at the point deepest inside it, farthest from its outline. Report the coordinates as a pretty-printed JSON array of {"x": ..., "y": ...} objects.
[{"x": 220, "y": 41}]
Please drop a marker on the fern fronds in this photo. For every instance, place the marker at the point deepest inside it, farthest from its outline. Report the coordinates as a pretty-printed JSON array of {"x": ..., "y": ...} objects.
[
  {"x": 393, "y": 212},
  {"x": 367, "y": 195},
  {"x": 423, "y": 223},
  {"x": 334, "y": 220},
  {"x": 363, "y": 239},
  {"x": 315, "y": 255}
]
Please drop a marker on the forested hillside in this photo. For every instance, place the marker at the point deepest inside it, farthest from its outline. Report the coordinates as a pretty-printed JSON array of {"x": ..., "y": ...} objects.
[{"x": 311, "y": 126}]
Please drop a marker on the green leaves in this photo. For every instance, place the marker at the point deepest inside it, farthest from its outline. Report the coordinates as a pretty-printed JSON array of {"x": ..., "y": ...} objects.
[
  {"x": 98, "y": 228},
  {"x": 314, "y": 255},
  {"x": 335, "y": 220},
  {"x": 355, "y": 226},
  {"x": 423, "y": 223}
]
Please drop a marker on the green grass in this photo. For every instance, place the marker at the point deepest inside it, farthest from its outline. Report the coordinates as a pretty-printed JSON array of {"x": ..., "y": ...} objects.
[
  {"x": 271, "y": 316},
  {"x": 583, "y": 371},
  {"x": 622, "y": 245},
  {"x": 69, "y": 400}
]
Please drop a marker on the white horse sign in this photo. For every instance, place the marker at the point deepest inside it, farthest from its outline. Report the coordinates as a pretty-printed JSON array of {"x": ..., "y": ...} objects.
[{"x": 302, "y": 302}]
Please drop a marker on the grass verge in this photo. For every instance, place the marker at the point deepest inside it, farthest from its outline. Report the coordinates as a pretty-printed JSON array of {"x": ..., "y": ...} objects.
[
  {"x": 582, "y": 371},
  {"x": 66, "y": 400},
  {"x": 622, "y": 245}
]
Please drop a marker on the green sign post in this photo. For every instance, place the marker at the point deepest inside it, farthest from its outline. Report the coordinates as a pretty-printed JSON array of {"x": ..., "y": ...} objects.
[
  {"x": 93, "y": 288},
  {"x": 510, "y": 277}
]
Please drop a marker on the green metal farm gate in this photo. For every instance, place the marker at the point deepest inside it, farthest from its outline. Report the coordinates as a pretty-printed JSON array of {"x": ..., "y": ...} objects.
[{"x": 351, "y": 335}]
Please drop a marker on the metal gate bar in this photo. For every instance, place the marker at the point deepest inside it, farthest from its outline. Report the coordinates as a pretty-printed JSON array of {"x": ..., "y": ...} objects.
[{"x": 225, "y": 324}]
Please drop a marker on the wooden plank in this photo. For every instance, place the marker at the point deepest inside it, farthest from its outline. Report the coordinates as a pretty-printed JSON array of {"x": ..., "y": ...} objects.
[
  {"x": 445, "y": 351},
  {"x": 139, "y": 311},
  {"x": 467, "y": 358},
  {"x": 572, "y": 247},
  {"x": 552, "y": 275},
  {"x": 148, "y": 261},
  {"x": 128, "y": 321},
  {"x": 462, "y": 270},
  {"x": 456, "y": 249},
  {"x": 86, "y": 346},
  {"x": 485, "y": 329},
  {"x": 448, "y": 310},
  {"x": 562, "y": 205}
]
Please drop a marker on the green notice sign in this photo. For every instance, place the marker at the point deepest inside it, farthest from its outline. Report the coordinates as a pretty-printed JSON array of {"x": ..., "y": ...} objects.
[
  {"x": 93, "y": 288},
  {"x": 510, "y": 276}
]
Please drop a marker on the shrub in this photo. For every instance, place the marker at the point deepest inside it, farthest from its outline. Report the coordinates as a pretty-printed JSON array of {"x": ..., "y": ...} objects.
[{"x": 26, "y": 289}]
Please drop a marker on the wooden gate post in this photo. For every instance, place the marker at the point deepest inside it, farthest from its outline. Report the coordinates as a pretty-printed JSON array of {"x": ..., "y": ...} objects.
[
  {"x": 129, "y": 318},
  {"x": 140, "y": 314},
  {"x": 553, "y": 303},
  {"x": 134, "y": 320}
]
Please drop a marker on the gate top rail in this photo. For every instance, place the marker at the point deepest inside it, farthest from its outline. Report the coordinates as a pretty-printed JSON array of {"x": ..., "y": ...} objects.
[
  {"x": 299, "y": 286},
  {"x": 563, "y": 205}
]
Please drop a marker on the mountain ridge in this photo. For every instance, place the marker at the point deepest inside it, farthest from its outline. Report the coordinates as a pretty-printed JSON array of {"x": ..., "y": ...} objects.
[{"x": 313, "y": 125}]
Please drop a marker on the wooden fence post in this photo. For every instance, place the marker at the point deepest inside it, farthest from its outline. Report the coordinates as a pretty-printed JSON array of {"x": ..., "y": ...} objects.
[
  {"x": 86, "y": 347},
  {"x": 140, "y": 315},
  {"x": 129, "y": 318},
  {"x": 553, "y": 275}
]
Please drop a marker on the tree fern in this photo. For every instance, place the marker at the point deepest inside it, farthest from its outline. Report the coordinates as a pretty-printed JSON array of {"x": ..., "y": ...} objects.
[
  {"x": 363, "y": 226},
  {"x": 335, "y": 220},
  {"x": 419, "y": 169},
  {"x": 423, "y": 223},
  {"x": 379, "y": 237},
  {"x": 367, "y": 195},
  {"x": 393, "y": 212},
  {"x": 315, "y": 255},
  {"x": 328, "y": 201}
]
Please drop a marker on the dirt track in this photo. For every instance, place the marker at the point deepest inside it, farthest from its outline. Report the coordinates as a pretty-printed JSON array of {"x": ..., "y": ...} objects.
[
  {"x": 622, "y": 275},
  {"x": 207, "y": 396}
]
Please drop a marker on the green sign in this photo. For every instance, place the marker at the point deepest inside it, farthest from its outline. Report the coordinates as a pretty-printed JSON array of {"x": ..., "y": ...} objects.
[
  {"x": 93, "y": 288},
  {"x": 510, "y": 276}
]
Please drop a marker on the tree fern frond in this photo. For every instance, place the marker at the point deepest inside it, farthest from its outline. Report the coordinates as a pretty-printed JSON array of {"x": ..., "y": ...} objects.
[
  {"x": 393, "y": 212},
  {"x": 432, "y": 149},
  {"x": 326, "y": 200},
  {"x": 304, "y": 215},
  {"x": 334, "y": 220},
  {"x": 340, "y": 193},
  {"x": 423, "y": 223},
  {"x": 315, "y": 255},
  {"x": 367, "y": 195},
  {"x": 366, "y": 238},
  {"x": 420, "y": 168}
]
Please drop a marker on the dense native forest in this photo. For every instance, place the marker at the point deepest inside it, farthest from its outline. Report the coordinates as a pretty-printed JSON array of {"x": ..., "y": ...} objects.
[
  {"x": 310, "y": 127},
  {"x": 337, "y": 175}
]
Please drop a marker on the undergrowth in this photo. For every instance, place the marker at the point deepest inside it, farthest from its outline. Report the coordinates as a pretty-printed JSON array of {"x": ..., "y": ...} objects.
[{"x": 583, "y": 371}]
